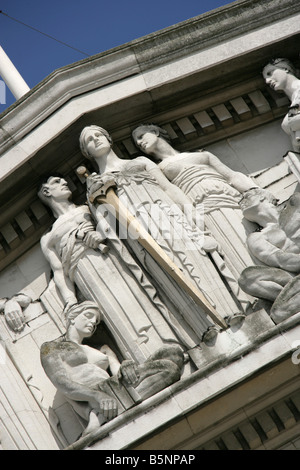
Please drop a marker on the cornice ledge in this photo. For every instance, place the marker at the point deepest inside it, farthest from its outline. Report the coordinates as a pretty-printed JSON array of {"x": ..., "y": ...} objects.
[
  {"x": 210, "y": 29},
  {"x": 59, "y": 87}
]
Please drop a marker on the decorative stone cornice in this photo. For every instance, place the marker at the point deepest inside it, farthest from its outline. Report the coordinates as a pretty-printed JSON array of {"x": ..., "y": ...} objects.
[
  {"x": 262, "y": 431},
  {"x": 209, "y": 29}
]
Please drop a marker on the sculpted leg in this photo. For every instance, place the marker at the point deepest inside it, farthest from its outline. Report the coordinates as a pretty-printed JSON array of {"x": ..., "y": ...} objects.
[
  {"x": 162, "y": 369},
  {"x": 263, "y": 281},
  {"x": 288, "y": 301}
]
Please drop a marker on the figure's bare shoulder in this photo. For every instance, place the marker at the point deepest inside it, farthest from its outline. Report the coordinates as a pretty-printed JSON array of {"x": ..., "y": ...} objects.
[
  {"x": 46, "y": 240},
  {"x": 58, "y": 347},
  {"x": 202, "y": 153},
  {"x": 259, "y": 245},
  {"x": 257, "y": 240},
  {"x": 146, "y": 161},
  {"x": 52, "y": 350},
  {"x": 199, "y": 157},
  {"x": 48, "y": 347},
  {"x": 256, "y": 235}
]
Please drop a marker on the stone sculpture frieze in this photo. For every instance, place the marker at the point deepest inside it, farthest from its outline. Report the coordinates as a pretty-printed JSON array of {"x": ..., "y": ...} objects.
[{"x": 151, "y": 318}]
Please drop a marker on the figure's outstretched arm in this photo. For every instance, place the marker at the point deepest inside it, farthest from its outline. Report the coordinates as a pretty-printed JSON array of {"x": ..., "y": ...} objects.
[
  {"x": 64, "y": 284},
  {"x": 127, "y": 370},
  {"x": 237, "y": 179},
  {"x": 114, "y": 363}
]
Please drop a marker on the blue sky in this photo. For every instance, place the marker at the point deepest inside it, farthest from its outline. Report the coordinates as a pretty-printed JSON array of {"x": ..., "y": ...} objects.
[{"x": 91, "y": 26}]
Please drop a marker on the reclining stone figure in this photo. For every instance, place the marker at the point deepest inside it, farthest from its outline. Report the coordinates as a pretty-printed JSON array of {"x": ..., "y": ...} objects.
[{"x": 94, "y": 382}]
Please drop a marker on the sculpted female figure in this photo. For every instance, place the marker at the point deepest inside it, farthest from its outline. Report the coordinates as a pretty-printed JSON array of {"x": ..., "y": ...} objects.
[
  {"x": 145, "y": 191},
  {"x": 86, "y": 376},
  {"x": 137, "y": 318},
  {"x": 281, "y": 75},
  {"x": 210, "y": 185}
]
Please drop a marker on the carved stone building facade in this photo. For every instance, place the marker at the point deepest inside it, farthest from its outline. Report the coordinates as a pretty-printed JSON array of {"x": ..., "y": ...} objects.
[{"x": 202, "y": 82}]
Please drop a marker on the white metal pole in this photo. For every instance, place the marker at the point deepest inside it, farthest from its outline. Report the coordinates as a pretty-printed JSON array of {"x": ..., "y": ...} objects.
[{"x": 11, "y": 76}]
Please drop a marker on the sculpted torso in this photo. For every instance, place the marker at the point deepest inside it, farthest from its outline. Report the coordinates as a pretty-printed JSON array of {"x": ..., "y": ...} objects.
[
  {"x": 64, "y": 225},
  {"x": 276, "y": 237},
  {"x": 87, "y": 365},
  {"x": 173, "y": 166}
]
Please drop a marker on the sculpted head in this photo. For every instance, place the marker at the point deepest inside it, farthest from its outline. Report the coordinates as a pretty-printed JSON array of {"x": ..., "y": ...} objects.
[
  {"x": 256, "y": 202},
  {"x": 276, "y": 73},
  {"x": 93, "y": 141},
  {"x": 54, "y": 188},
  {"x": 84, "y": 317},
  {"x": 145, "y": 137}
]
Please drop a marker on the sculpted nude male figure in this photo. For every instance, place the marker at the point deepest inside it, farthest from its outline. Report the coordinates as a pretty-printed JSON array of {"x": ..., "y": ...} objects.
[{"x": 277, "y": 249}]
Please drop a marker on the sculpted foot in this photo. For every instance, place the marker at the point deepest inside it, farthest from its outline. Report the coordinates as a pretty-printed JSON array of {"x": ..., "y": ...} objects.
[{"x": 95, "y": 421}]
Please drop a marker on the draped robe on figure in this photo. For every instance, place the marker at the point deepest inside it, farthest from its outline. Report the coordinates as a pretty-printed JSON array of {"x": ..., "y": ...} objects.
[
  {"x": 165, "y": 221},
  {"x": 220, "y": 202},
  {"x": 131, "y": 309}
]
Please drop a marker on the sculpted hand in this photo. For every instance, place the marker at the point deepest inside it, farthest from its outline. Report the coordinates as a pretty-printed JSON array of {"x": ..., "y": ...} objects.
[
  {"x": 95, "y": 181},
  {"x": 129, "y": 371},
  {"x": 92, "y": 239},
  {"x": 210, "y": 244},
  {"x": 14, "y": 315},
  {"x": 69, "y": 303},
  {"x": 109, "y": 408}
]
